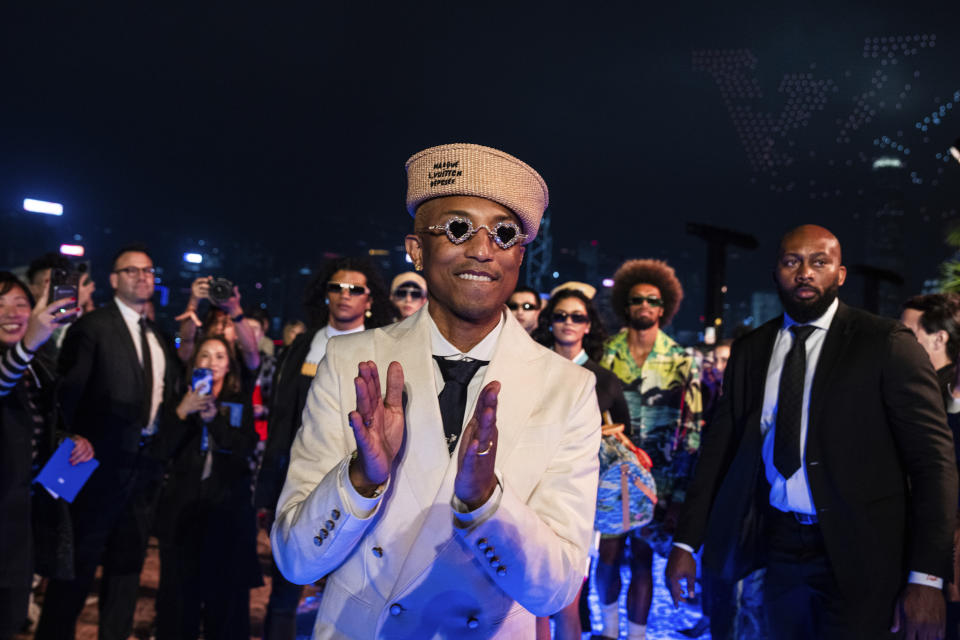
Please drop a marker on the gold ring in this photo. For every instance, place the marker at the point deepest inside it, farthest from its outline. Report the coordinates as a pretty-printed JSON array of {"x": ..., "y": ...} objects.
[{"x": 487, "y": 450}]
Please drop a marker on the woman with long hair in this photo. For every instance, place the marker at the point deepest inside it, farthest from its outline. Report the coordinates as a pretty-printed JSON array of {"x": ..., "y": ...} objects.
[
  {"x": 207, "y": 525},
  {"x": 570, "y": 325},
  {"x": 35, "y": 533}
]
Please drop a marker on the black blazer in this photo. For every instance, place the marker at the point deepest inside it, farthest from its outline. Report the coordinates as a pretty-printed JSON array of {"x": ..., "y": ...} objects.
[
  {"x": 101, "y": 389},
  {"x": 33, "y": 525},
  {"x": 879, "y": 459},
  {"x": 290, "y": 389},
  {"x": 610, "y": 395}
]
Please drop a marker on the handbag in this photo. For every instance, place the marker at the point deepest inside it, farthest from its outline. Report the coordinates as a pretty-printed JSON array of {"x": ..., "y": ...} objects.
[{"x": 627, "y": 492}]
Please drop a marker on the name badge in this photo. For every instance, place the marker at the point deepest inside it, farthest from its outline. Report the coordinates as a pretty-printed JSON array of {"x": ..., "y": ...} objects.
[{"x": 236, "y": 413}]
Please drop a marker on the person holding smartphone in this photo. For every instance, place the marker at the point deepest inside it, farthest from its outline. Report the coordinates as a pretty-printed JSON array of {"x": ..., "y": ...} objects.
[
  {"x": 207, "y": 528},
  {"x": 29, "y": 434}
]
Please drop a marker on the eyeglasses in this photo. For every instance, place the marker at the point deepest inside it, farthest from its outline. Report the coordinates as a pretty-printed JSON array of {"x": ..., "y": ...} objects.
[
  {"x": 577, "y": 318},
  {"x": 653, "y": 301},
  {"x": 408, "y": 292},
  {"x": 459, "y": 230},
  {"x": 133, "y": 272},
  {"x": 526, "y": 306},
  {"x": 344, "y": 288}
]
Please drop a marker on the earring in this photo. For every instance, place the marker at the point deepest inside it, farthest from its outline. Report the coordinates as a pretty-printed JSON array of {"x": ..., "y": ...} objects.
[
  {"x": 418, "y": 267},
  {"x": 368, "y": 313},
  {"x": 326, "y": 301}
]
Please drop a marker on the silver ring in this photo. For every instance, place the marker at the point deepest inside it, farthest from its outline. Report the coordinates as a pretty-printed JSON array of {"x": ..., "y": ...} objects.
[{"x": 487, "y": 450}]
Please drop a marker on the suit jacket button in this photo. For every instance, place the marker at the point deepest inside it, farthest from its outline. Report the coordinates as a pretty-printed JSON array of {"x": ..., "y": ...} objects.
[
  {"x": 377, "y": 551},
  {"x": 472, "y": 623},
  {"x": 318, "y": 540},
  {"x": 329, "y": 524},
  {"x": 489, "y": 552},
  {"x": 324, "y": 533},
  {"x": 502, "y": 571},
  {"x": 482, "y": 544},
  {"x": 335, "y": 514},
  {"x": 395, "y": 609},
  {"x": 494, "y": 562}
]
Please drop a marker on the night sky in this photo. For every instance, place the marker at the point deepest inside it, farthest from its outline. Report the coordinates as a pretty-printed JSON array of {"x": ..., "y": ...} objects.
[{"x": 290, "y": 125}]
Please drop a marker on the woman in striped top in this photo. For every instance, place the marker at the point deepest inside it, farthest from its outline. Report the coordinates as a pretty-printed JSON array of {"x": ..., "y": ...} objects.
[{"x": 28, "y": 436}]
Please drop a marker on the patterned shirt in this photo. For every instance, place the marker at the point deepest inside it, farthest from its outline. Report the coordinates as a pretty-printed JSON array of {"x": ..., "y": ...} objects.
[{"x": 663, "y": 395}]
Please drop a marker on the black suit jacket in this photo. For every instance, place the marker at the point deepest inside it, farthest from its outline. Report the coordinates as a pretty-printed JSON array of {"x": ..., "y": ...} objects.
[
  {"x": 290, "y": 389},
  {"x": 101, "y": 389},
  {"x": 879, "y": 459}
]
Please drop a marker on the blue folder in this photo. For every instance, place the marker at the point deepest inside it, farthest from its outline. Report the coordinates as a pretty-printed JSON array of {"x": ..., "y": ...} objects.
[{"x": 62, "y": 479}]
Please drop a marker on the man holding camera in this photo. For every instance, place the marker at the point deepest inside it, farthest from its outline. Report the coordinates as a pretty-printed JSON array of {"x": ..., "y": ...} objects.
[
  {"x": 117, "y": 375},
  {"x": 455, "y": 500}
]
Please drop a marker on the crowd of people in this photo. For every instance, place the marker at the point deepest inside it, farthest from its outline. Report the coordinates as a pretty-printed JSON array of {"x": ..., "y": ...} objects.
[{"x": 202, "y": 443}]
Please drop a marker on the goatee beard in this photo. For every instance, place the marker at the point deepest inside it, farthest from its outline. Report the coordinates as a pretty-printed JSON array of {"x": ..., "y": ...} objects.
[
  {"x": 803, "y": 311},
  {"x": 641, "y": 323}
]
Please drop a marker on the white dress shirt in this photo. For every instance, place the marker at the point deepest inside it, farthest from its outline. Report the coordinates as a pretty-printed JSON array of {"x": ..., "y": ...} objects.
[
  {"x": 157, "y": 357},
  {"x": 793, "y": 493}
]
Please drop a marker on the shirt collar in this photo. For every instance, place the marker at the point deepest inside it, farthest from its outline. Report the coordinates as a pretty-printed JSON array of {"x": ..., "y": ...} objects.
[
  {"x": 337, "y": 332},
  {"x": 581, "y": 357},
  {"x": 823, "y": 322},
  {"x": 129, "y": 314},
  {"x": 483, "y": 350}
]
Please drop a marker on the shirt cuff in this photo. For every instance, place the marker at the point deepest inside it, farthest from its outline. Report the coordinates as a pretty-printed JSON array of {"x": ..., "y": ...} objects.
[
  {"x": 465, "y": 518},
  {"x": 685, "y": 547},
  {"x": 360, "y": 506},
  {"x": 925, "y": 579}
]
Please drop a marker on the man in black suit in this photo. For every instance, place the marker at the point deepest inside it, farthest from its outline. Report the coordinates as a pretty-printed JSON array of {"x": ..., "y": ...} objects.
[
  {"x": 117, "y": 377},
  {"x": 830, "y": 462}
]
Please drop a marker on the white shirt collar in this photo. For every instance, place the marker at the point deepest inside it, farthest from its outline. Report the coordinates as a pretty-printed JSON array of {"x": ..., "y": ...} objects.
[
  {"x": 331, "y": 331},
  {"x": 129, "y": 314},
  {"x": 581, "y": 357},
  {"x": 483, "y": 350},
  {"x": 823, "y": 322}
]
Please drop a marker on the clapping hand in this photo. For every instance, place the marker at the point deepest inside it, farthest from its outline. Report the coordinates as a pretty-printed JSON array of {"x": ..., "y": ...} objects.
[
  {"x": 378, "y": 426},
  {"x": 476, "y": 481}
]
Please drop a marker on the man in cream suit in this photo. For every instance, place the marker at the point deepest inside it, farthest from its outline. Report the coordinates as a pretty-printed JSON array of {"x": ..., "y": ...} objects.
[{"x": 456, "y": 500}]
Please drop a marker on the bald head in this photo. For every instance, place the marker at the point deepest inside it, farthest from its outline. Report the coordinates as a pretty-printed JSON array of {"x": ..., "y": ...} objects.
[
  {"x": 809, "y": 272},
  {"x": 811, "y": 234}
]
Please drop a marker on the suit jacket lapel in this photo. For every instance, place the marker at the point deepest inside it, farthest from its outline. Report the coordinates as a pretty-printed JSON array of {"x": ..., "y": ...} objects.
[
  {"x": 833, "y": 347},
  {"x": 425, "y": 455},
  {"x": 128, "y": 351}
]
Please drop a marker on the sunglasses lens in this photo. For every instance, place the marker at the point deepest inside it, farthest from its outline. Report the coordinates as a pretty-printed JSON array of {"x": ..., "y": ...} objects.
[
  {"x": 458, "y": 228},
  {"x": 654, "y": 302},
  {"x": 333, "y": 287},
  {"x": 579, "y": 318},
  {"x": 506, "y": 234},
  {"x": 513, "y": 306}
]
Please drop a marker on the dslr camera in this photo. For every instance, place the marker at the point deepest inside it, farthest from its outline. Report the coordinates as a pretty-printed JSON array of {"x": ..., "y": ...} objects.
[{"x": 221, "y": 290}]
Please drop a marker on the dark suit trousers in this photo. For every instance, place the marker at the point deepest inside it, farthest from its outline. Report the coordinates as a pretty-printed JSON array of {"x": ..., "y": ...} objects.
[
  {"x": 802, "y": 598},
  {"x": 112, "y": 519},
  {"x": 281, "y": 620}
]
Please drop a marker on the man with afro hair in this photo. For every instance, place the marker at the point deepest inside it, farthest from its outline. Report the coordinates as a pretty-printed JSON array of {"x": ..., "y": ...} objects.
[{"x": 661, "y": 384}]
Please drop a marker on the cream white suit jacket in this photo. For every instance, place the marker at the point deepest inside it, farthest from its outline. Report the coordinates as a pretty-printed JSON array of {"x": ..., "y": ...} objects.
[{"x": 413, "y": 569}]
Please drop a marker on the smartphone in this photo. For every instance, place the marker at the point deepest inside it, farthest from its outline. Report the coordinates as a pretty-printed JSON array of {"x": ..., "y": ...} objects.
[
  {"x": 64, "y": 284},
  {"x": 202, "y": 381}
]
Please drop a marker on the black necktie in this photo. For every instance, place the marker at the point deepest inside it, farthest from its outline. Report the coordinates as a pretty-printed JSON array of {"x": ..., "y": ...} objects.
[
  {"x": 147, "y": 373},
  {"x": 786, "y": 438},
  {"x": 453, "y": 398}
]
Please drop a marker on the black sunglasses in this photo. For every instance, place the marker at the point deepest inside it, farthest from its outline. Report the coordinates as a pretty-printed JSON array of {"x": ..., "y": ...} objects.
[
  {"x": 408, "y": 292},
  {"x": 653, "y": 301},
  {"x": 526, "y": 306},
  {"x": 343, "y": 287},
  {"x": 577, "y": 318},
  {"x": 460, "y": 229}
]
